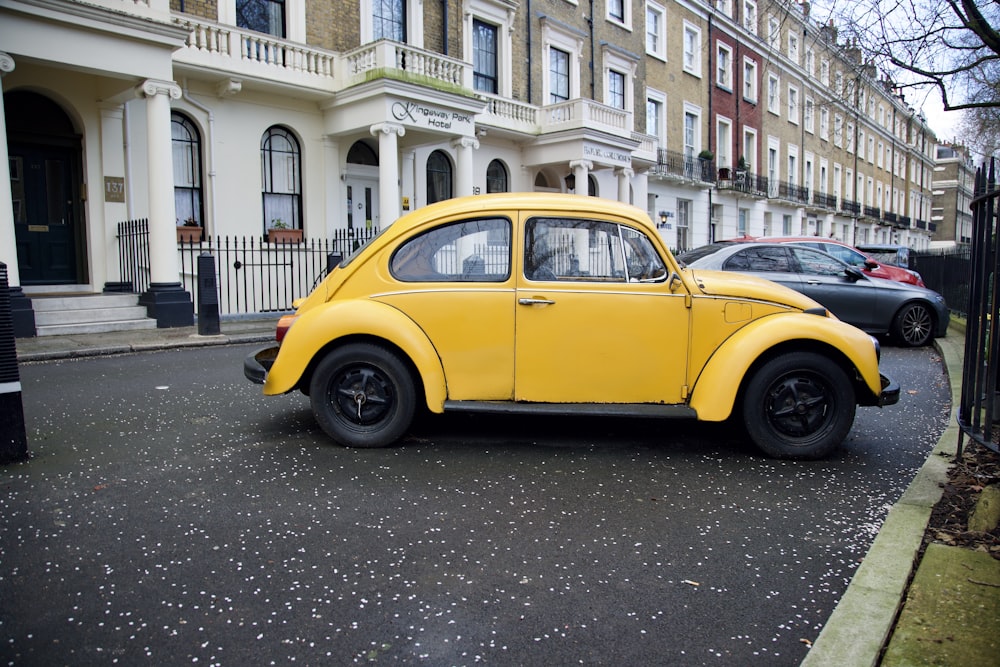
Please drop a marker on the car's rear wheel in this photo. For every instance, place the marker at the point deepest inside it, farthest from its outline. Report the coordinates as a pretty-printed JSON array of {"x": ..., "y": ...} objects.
[
  {"x": 799, "y": 406},
  {"x": 363, "y": 396},
  {"x": 913, "y": 325}
]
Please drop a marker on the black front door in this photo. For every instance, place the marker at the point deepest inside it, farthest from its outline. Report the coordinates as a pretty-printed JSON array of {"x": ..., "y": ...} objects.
[{"x": 46, "y": 200}]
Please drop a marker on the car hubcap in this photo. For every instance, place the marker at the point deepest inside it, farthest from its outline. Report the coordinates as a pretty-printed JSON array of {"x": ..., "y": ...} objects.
[
  {"x": 916, "y": 325},
  {"x": 363, "y": 395},
  {"x": 797, "y": 406}
]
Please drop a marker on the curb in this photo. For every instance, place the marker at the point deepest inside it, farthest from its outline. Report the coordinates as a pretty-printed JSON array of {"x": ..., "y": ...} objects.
[
  {"x": 862, "y": 622},
  {"x": 130, "y": 348}
]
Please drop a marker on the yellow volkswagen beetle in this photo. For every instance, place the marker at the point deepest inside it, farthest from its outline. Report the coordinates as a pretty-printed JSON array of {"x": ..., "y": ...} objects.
[{"x": 563, "y": 304}]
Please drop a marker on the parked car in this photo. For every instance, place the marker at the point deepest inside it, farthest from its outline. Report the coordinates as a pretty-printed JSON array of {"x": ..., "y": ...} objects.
[
  {"x": 876, "y": 267},
  {"x": 561, "y": 304},
  {"x": 913, "y": 315},
  {"x": 898, "y": 255}
]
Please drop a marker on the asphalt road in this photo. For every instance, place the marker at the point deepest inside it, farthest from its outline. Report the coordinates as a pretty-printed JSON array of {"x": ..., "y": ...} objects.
[{"x": 170, "y": 514}]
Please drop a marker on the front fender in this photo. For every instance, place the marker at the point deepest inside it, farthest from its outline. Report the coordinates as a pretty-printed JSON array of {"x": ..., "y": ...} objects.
[
  {"x": 715, "y": 391},
  {"x": 317, "y": 328}
]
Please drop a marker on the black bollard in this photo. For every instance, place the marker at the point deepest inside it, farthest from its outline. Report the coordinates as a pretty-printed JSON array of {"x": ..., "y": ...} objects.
[
  {"x": 208, "y": 296},
  {"x": 13, "y": 438}
]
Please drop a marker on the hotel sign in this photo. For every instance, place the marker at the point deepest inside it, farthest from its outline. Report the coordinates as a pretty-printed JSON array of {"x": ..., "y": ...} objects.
[
  {"x": 426, "y": 116},
  {"x": 607, "y": 155}
]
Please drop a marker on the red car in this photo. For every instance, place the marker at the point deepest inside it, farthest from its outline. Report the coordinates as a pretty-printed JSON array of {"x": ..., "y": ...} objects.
[{"x": 865, "y": 262}]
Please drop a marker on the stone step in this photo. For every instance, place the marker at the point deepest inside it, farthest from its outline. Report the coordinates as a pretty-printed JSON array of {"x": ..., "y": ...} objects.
[
  {"x": 95, "y": 327},
  {"x": 90, "y": 313}
]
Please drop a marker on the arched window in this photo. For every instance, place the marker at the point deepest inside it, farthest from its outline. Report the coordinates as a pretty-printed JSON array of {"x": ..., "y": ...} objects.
[
  {"x": 496, "y": 177},
  {"x": 280, "y": 159},
  {"x": 362, "y": 153},
  {"x": 439, "y": 177},
  {"x": 187, "y": 170}
]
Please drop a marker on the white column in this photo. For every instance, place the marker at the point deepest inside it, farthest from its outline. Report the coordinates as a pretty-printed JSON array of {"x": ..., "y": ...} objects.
[
  {"x": 112, "y": 165},
  {"x": 159, "y": 162},
  {"x": 8, "y": 241},
  {"x": 408, "y": 179},
  {"x": 388, "y": 170},
  {"x": 624, "y": 176},
  {"x": 581, "y": 173},
  {"x": 463, "y": 147},
  {"x": 333, "y": 184}
]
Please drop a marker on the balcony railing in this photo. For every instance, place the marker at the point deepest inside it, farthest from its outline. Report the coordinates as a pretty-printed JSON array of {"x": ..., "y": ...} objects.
[
  {"x": 823, "y": 200},
  {"x": 581, "y": 113},
  {"x": 850, "y": 207},
  {"x": 905, "y": 220},
  {"x": 873, "y": 212},
  {"x": 742, "y": 181},
  {"x": 792, "y": 192},
  {"x": 674, "y": 164},
  {"x": 921, "y": 224},
  {"x": 890, "y": 217}
]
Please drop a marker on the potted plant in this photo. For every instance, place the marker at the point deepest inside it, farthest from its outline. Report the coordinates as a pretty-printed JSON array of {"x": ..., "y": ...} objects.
[
  {"x": 189, "y": 231},
  {"x": 280, "y": 232}
]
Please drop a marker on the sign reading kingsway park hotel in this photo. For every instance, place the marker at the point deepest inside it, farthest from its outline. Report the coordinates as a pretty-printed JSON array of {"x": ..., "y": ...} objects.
[{"x": 426, "y": 116}]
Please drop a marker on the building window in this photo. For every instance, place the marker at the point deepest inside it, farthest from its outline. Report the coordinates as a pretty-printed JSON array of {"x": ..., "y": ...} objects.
[
  {"x": 692, "y": 49},
  {"x": 810, "y": 62},
  {"x": 750, "y": 81},
  {"x": 724, "y": 66},
  {"x": 793, "y": 104},
  {"x": 749, "y": 149},
  {"x": 616, "y": 89},
  {"x": 824, "y": 124},
  {"x": 773, "y": 94},
  {"x": 558, "y": 76},
  {"x": 497, "y": 179},
  {"x": 484, "y": 55},
  {"x": 741, "y": 229},
  {"x": 266, "y": 16},
  {"x": 750, "y": 16},
  {"x": 683, "y": 223},
  {"x": 389, "y": 20},
  {"x": 773, "y": 33},
  {"x": 793, "y": 48},
  {"x": 656, "y": 21},
  {"x": 439, "y": 177},
  {"x": 282, "y": 179},
  {"x": 723, "y": 143},
  {"x": 810, "y": 112},
  {"x": 824, "y": 72},
  {"x": 656, "y": 103},
  {"x": 186, "y": 142},
  {"x": 725, "y": 6},
  {"x": 619, "y": 11}
]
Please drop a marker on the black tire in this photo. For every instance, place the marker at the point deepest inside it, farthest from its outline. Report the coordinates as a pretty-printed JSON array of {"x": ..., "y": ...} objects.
[
  {"x": 913, "y": 325},
  {"x": 363, "y": 395},
  {"x": 798, "y": 406}
]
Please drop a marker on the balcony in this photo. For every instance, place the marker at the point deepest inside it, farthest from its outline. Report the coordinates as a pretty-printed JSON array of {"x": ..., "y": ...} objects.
[
  {"x": 679, "y": 167},
  {"x": 905, "y": 221},
  {"x": 742, "y": 181},
  {"x": 891, "y": 218},
  {"x": 578, "y": 114},
  {"x": 824, "y": 201},
  {"x": 791, "y": 192},
  {"x": 850, "y": 207},
  {"x": 873, "y": 212}
]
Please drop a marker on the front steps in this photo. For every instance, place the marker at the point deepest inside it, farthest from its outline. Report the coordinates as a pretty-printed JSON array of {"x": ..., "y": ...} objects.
[{"x": 91, "y": 313}]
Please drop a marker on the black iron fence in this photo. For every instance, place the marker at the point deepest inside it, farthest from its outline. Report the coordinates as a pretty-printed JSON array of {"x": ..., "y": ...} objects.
[
  {"x": 253, "y": 275},
  {"x": 979, "y": 408},
  {"x": 947, "y": 272}
]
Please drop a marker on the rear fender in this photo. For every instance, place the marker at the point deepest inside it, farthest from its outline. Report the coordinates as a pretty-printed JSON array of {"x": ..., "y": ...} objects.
[
  {"x": 717, "y": 388},
  {"x": 318, "y": 329}
]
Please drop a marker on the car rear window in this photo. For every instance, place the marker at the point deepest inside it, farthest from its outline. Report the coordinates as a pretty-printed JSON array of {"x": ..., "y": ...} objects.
[{"x": 468, "y": 251}]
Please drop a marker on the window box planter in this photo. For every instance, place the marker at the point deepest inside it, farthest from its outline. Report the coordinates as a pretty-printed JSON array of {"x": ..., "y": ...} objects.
[
  {"x": 284, "y": 235},
  {"x": 189, "y": 234}
]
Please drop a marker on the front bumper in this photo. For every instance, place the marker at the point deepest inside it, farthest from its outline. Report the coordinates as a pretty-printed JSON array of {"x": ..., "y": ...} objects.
[
  {"x": 890, "y": 392},
  {"x": 257, "y": 364}
]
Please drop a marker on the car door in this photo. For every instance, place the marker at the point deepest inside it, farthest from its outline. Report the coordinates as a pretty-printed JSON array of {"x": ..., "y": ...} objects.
[
  {"x": 596, "y": 320},
  {"x": 853, "y": 299}
]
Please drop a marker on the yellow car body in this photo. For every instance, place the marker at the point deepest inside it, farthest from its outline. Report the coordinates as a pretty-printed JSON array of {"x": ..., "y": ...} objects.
[{"x": 456, "y": 294}]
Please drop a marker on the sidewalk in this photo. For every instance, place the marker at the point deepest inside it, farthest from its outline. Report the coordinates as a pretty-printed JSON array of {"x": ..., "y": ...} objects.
[{"x": 949, "y": 614}]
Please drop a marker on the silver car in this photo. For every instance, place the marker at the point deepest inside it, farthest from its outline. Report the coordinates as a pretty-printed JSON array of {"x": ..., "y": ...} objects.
[{"x": 911, "y": 315}]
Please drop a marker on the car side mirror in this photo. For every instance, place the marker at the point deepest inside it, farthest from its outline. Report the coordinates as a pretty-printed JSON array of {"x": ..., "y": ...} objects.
[
  {"x": 871, "y": 264},
  {"x": 854, "y": 274},
  {"x": 675, "y": 281}
]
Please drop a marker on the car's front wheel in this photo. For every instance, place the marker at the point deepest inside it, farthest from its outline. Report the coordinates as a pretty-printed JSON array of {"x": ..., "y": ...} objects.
[
  {"x": 913, "y": 325},
  {"x": 799, "y": 406},
  {"x": 363, "y": 396}
]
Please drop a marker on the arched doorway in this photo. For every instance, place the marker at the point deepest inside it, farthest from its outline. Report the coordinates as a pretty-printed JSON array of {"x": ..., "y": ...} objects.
[
  {"x": 45, "y": 178},
  {"x": 361, "y": 181}
]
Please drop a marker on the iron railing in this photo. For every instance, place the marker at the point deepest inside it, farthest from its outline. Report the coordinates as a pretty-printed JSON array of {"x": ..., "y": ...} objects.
[
  {"x": 978, "y": 408},
  {"x": 947, "y": 273},
  {"x": 253, "y": 276}
]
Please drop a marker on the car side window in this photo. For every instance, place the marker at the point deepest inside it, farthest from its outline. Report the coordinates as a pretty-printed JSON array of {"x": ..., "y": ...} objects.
[
  {"x": 817, "y": 263},
  {"x": 759, "y": 259},
  {"x": 844, "y": 254},
  {"x": 569, "y": 249},
  {"x": 469, "y": 251}
]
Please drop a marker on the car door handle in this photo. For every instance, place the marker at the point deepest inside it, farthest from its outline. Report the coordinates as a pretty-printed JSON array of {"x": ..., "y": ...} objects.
[
  {"x": 536, "y": 302},
  {"x": 814, "y": 282}
]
